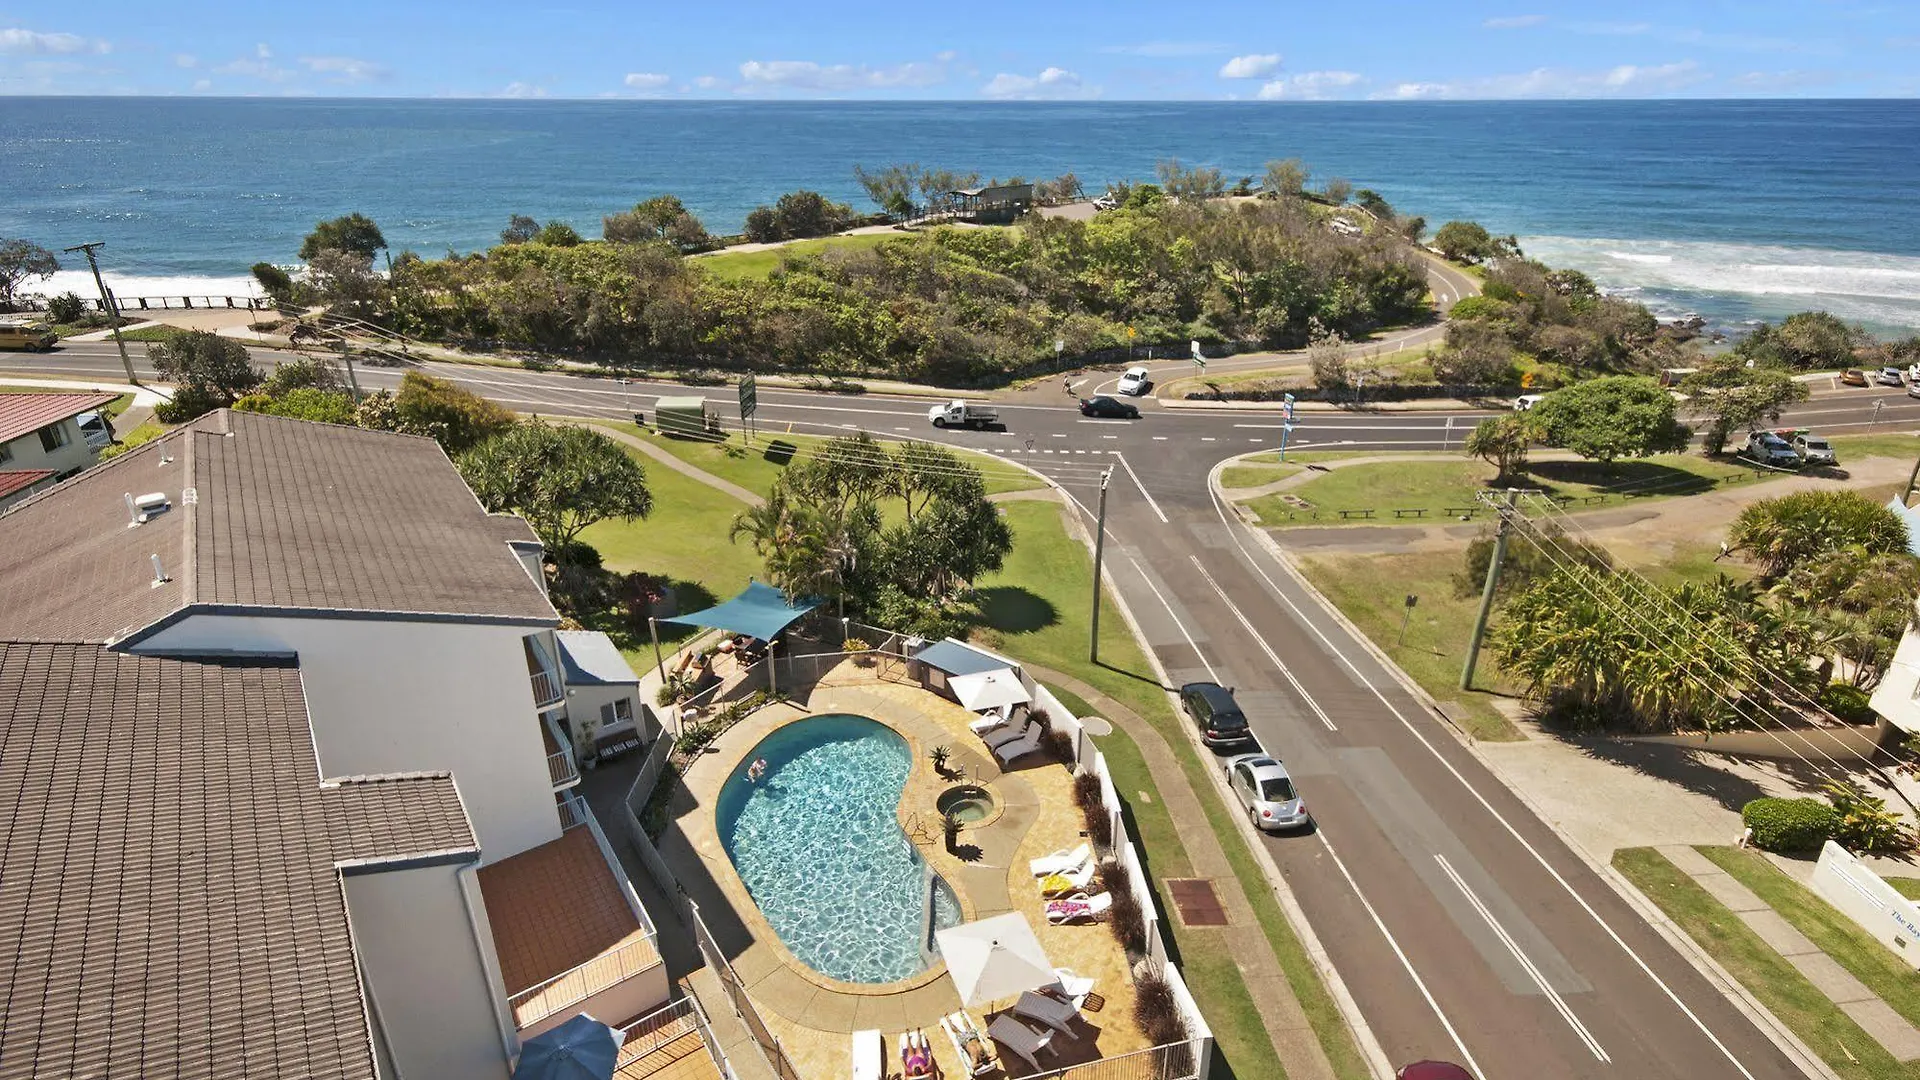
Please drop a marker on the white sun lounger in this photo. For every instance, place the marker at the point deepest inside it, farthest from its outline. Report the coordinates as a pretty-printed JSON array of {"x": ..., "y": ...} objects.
[
  {"x": 965, "y": 1034},
  {"x": 1074, "y": 881},
  {"x": 916, "y": 1040},
  {"x": 1019, "y": 1038},
  {"x": 992, "y": 720},
  {"x": 1007, "y": 753},
  {"x": 1073, "y": 988},
  {"x": 1061, "y": 862},
  {"x": 1052, "y": 1012},
  {"x": 869, "y": 1055}
]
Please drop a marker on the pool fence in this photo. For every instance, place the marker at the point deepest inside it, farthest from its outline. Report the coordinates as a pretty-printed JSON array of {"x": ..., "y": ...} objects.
[{"x": 742, "y": 1002}]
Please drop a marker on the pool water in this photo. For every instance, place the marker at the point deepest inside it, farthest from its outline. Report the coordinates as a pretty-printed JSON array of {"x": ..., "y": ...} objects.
[{"x": 818, "y": 845}]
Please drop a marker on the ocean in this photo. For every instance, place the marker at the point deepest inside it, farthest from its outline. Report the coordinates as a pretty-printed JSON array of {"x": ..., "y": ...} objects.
[{"x": 1736, "y": 210}]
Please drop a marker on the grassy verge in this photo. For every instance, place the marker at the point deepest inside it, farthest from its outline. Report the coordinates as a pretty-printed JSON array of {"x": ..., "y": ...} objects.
[
  {"x": 738, "y": 265},
  {"x": 756, "y": 466},
  {"x": 1371, "y": 590},
  {"x": 1037, "y": 608},
  {"x": 151, "y": 333},
  {"x": 1903, "y": 445},
  {"x": 1849, "y": 1051},
  {"x": 1246, "y": 476},
  {"x": 1436, "y": 485},
  {"x": 1905, "y": 886},
  {"x": 1883, "y": 972}
]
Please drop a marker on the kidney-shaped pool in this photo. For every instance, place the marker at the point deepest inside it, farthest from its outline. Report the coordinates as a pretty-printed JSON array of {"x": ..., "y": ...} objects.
[{"x": 817, "y": 843}]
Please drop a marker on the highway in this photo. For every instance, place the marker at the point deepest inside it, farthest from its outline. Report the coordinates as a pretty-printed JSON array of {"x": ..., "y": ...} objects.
[{"x": 1463, "y": 926}]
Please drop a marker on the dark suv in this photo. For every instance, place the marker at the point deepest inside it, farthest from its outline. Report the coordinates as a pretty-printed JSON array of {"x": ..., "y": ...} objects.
[{"x": 1218, "y": 716}]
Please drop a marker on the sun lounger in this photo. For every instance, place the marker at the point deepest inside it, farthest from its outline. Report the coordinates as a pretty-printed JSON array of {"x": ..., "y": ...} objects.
[
  {"x": 916, "y": 1056},
  {"x": 1079, "y": 908},
  {"x": 992, "y": 720},
  {"x": 1052, "y": 1012},
  {"x": 1025, "y": 1042},
  {"x": 869, "y": 1055},
  {"x": 1002, "y": 736},
  {"x": 1068, "y": 882},
  {"x": 1061, "y": 862},
  {"x": 1006, "y": 753},
  {"x": 974, "y": 1049},
  {"x": 1073, "y": 989}
]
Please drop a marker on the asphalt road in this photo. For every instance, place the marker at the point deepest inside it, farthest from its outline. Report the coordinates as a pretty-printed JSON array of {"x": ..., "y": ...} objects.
[{"x": 1462, "y": 924}]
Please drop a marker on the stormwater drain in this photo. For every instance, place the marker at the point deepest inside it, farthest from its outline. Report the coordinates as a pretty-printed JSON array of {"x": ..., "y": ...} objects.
[{"x": 1194, "y": 899}]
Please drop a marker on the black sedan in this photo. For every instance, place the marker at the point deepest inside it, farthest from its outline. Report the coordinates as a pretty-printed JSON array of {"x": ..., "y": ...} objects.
[{"x": 1109, "y": 408}]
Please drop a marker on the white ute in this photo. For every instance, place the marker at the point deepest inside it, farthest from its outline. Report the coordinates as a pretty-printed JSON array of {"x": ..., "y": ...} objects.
[{"x": 965, "y": 414}]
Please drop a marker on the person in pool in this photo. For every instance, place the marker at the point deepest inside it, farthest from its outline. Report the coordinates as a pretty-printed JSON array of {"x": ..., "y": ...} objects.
[{"x": 756, "y": 770}]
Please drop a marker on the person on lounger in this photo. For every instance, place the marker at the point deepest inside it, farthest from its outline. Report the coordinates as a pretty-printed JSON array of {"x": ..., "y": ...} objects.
[{"x": 916, "y": 1056}]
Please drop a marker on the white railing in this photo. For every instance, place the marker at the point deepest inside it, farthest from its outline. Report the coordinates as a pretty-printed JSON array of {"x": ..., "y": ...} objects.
[
  {"x": 1171, "y": 1061},
  {"x": 560, "y": 769},
  {"x": 573, "y": 812},
  {"x": 570, "y": 988},
  {"x": 546, "y": 688},
  {"x": 665, "y": 1024}
]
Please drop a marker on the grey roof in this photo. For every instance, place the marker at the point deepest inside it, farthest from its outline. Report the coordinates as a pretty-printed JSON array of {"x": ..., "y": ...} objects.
[
  {"x": 266, "y": 513},
  {"x": 958, "y": 658},
  {"x": 171, "y": 903},
  {"x": 591, "y": 659}
]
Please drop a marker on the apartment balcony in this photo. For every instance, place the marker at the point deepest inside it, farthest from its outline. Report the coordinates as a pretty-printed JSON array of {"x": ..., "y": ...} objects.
[
  {"x": 673, "y": 1042},
  {"x": 561, "y": 769},
  {"x": 542, "y": 673},
  {"x": 569, "y": 930}
]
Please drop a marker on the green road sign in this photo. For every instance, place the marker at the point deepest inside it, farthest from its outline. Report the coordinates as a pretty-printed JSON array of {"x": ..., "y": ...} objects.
[{"x": 749, "y": 397}]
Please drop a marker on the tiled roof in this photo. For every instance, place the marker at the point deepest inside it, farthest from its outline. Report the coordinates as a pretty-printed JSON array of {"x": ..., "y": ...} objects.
[
  {"x": 12, "y": 480},
  {"x": 384, "y": 819},
  {"x": 266, "y": 512},
  {"x": 553, "y": 908},
  {"x": 23, "y": 414},
  {"x": 170, "y": 904}
]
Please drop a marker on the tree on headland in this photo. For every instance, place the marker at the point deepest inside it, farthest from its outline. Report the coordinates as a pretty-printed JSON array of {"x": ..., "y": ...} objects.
[
  {"x": 1286, "y": 178},
  {"x": 456, "y": 419},
  {"x": 22, "y": 262},
  {"x": 891, "y": 188},
  {"x": 662, "y": 217},
  {"x": 1807, "y": 341},
  {"x": 1199, "y": 182},
  {"x": 207, "y": 371},
  {"x": 1338, "y": 191},
  {"x": 798, "y": 215},
  {"x": 355, "y": 234},
  {"x": 1371, "y": 201},
  {"x": 520, "y": 229},
  {"x": 1732, "y": 396},
  {"x": 557, "y": 234},
  {"x": 1503, "y": 442},
  {"x": 1610, "y": 417},
  {"x": 1464, "y": 241},
  {"x": 1329, "y": 359},
  {"x": 1788, "y": 530},
  {"x": 275, "y": 282},
  {"x": 561, "y": 478},
  {"x": 1061, "y": 189}
]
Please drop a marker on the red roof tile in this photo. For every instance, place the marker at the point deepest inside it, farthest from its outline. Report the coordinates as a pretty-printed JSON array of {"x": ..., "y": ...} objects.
[
  {"x": 23, "y": 414},
  {"x": 13, "y": 480}
]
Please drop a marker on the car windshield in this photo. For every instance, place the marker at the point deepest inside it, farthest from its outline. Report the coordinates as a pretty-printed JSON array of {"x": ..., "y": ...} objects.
[
  {"x": 1222, "y": 719},
  {"x": 1815, "y": 444},
  {"x": 1276, "y": 789}
]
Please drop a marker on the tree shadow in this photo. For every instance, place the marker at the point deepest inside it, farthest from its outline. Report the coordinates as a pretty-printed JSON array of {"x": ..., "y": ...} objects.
[
  {"x": 1013, "y": 610},
  {"x": 779, "y": 452},
  {"x": 1645, "y": 477},
  {"x": 1691, "y": 770}
]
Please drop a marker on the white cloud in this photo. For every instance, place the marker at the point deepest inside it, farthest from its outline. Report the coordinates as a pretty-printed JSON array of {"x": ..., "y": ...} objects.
[
  {"x": 709, "y": 82},
  {"x": 1165, "y": 49},
  {"x": 1309, "y": 85},
  {"x": 202, "y": 84},
  {"x": 1053, "y": 82},
  {"x": 344, "y": 69},
  {"x": 264, "y": 70},
  {"x": 1252, "y": 66},
  {"x": 806, "y": 75},
  {"x": 647, "y": 81},
  {"x": 1613, "y": 29},
  {"x": 521, "y": 90},
  {"x": 1626, "y": 80},
  {"x": 262, "y": 52},
  {"x": 185, "y": 60},
  {"x": 1513, "y": 22},
  {"x": 18, "y": 42},
  {"x": 1775, "y": 81}
]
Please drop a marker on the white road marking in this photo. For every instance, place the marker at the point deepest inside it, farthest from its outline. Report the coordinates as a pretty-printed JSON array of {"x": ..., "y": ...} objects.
[
  {"x": 1208, "y": 438},
  {"x": 1058, "y": 435},
  {"x": 1271, "y": 427},
  {"x": 1159, "y": 438},
  {"x": 1475, "y": 792},
  {"x": 1256, "y": 440},
  {"x": 1264, "y": 647},
  {"x": 1159, "y": 513},
  {"x": 1212, "y": 674},
  {"x": 1559, "y": 1003}
]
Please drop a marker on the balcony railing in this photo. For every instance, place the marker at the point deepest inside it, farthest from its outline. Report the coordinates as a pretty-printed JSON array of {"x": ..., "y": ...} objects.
[
  {"x": 546, "y": 688},
  {"x": 561, "y": 769},
  {"x": 664, "y": 1025},
  {"x": 570, "y": 988}
]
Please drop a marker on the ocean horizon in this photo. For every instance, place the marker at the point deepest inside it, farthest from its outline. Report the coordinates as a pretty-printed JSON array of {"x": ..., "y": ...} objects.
[{"x": 1736, "y": 210}]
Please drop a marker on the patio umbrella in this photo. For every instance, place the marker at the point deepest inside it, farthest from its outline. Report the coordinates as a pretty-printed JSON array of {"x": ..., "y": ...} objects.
[
  {"x": 580, "y": 1049},
  {"x": 995, "y": 958},
  {"x": 988, "y": 690}
]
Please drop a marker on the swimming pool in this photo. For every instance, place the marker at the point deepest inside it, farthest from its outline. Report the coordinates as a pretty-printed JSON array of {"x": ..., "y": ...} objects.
[{"x": 817, "y": 844}]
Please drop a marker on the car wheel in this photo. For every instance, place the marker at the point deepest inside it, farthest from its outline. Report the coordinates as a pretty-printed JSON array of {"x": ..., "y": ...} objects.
[
  {"x": 1253, "y": 819},
  {"x": 940, "y": 422}
]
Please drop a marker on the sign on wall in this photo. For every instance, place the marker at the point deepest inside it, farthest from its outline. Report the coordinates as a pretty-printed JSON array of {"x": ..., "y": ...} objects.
[{"x": 1846, "y": 883}]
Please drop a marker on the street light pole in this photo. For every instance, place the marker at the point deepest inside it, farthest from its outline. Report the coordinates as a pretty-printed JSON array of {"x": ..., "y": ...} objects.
[
  {"x": 1492, "y": 585},
  {"x": 107, "y": 305},
  {"x": 1099, "y": 548}
]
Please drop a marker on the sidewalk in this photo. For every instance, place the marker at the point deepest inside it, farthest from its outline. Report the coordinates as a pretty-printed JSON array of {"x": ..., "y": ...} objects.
[{"x": 1875, "y": 1017}]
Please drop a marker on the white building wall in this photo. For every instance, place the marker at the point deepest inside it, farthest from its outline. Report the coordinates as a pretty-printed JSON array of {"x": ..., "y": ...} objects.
[
  {"x": 26, "y": 452},
  {"x": 411, "y": 696},
  {"x": 1897, "y": 697},
  {"x": 426, "y": 974}
]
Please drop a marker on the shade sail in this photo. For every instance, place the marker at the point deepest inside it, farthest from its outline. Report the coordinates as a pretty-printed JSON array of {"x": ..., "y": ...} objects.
[
  {"x": 1912, "y": 518},
  {"x": 995, "y": 958},
  {"x": 955, "y": 658},
  {"x": 989, "y": 690},
  {"x": 760, "y": 611},
  {"x": 580, "y": 1049}
]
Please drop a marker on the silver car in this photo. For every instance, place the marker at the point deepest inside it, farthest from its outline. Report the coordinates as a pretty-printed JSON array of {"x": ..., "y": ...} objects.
[{"x": 1262, "y": 785}]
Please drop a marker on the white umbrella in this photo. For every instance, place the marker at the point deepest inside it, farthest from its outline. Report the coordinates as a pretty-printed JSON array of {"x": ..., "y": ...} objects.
[
  {"x": 994, "y": 958},
  {"x": 988, "y": 690}
]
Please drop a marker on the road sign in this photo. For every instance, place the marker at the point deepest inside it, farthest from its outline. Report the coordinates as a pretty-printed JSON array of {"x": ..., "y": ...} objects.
[
  {"x": 1198, "y": 358},
  {"x": 1286, "y": 409},
  {"x": 749, "y": 400}
]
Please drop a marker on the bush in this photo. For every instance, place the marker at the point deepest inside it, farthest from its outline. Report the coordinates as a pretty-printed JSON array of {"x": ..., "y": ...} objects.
[
  {"x": 1086, "y": 791},
  {"x": 1847, "y": 702},
  {"x": 1790, "y": 826},
  {"x": 1099, "y": 825},
  {"x": 1124, "y": 918},
  {"x": 1863, "y": 824},
  {"x": 1156, "y": 1011},
  {"x": 1058, "y": 745},
  {"x": 66, "y": 308}
]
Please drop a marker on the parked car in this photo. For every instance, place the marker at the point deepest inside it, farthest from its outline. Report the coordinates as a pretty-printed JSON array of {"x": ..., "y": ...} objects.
[
  {"x": 1262, "y": 785},
  {"x": 1216, "y": 714},
  {"x": 1770, "y": 449},
  {"x": 1890, "y": 376},
  {"x": 1813, "y": 449},
  {"x": 1913, "y": 373},
  {"x": 966, "y": 414},
  {"x": 26, "y": 333},
  {"x": 1135, "y": 382},
  {"x": 1109, "y": 408},
  {"x": 1526, "y": 401},
  {"x": 1853, "y": 377},
  {"x": 1913, "y": 390}
]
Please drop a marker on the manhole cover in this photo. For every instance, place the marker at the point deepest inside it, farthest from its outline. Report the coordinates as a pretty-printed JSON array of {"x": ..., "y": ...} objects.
[{"x": 1197, "y": 904}]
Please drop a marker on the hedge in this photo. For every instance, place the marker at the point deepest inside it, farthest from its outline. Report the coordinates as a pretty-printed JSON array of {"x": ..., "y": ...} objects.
[{"x": 1789, "y": 826}]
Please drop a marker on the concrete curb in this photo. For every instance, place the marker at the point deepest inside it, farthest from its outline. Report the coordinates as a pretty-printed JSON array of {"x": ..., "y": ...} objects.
[{"x": 1730, "y": 988}]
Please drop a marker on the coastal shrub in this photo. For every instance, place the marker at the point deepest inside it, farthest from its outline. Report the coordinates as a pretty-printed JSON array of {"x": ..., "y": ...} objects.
[
  {"x": 1099, "y": 825},
  {"x": 1125, "y": 918},
  {"x": 66, "y": 308},
  {"x": 1789, "y": 826},
  {"x": 275, "y": 282},
  {"x": 1848, "y": 702},
  {"x": 1788, "y": 530},
  {"x": 1863, "y": 824},
  {"x": 1086, "y": 791},
  {"x": 1157, "y": 1012}
]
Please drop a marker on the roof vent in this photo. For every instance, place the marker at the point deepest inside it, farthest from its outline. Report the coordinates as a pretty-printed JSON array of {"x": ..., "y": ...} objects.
[
  {"x": 141, "y": 510},
  {"x": 159, "y": 573}
]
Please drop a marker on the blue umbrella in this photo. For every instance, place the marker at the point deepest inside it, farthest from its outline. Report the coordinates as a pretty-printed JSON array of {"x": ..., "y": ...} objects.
[{"x": 580, "y": 1049}]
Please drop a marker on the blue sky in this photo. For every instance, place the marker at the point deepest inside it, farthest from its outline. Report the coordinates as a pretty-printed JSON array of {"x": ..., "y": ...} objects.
[{"x": 1115, "y": 50}]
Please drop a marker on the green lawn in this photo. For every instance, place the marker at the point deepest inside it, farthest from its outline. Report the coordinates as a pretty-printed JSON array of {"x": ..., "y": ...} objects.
[
  {"x": 1879, "y": 444},
  {"x": 1438, "y": 484},
  {"x": 755, "y": 466},
  {"x": 1870, "y": 961},
  {"x": 1371, "y": 590},
  {"x": 1849, "y": 1051},
  {"x": 736, "y": 265},
  {"x": 1246, "y": 476},
  {"x": 1905, "y": 886},
  {"x": 151, "y": 333}
]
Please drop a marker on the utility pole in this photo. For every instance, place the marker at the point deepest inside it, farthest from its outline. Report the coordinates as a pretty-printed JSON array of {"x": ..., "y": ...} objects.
[
  {"x": 1486, "y": 594},
  {"x": 107, "y": 305},
  {"x": 1912, "y": 478},
  {"x": 1099, "y": 547}
]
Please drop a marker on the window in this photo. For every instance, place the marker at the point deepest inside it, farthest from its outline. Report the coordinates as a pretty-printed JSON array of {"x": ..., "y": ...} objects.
[
  {"x": 6, "y": 453},
  {"x": 53, "y": 437},
  {"x": 623, "y": 709}
]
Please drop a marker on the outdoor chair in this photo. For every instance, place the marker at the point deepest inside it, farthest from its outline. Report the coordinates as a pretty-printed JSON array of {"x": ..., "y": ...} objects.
[
  {"x": 1068, "y": 882},
  {"x": 1078, "y": 907},
  {"x": 1009, "y": 752},
  {"x": 1052, "y": 1012},
  {"x": 1002, "y": 736},
  {"x": 869, "y": 1055},
  {"x": 1022, "y": 1040},
  {"x": 916, "y": 1056},
  {"x": 1073, "y": 989},
  {"x": 974, "y": 1050},
  {"x": 1061, "y": 862}
]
